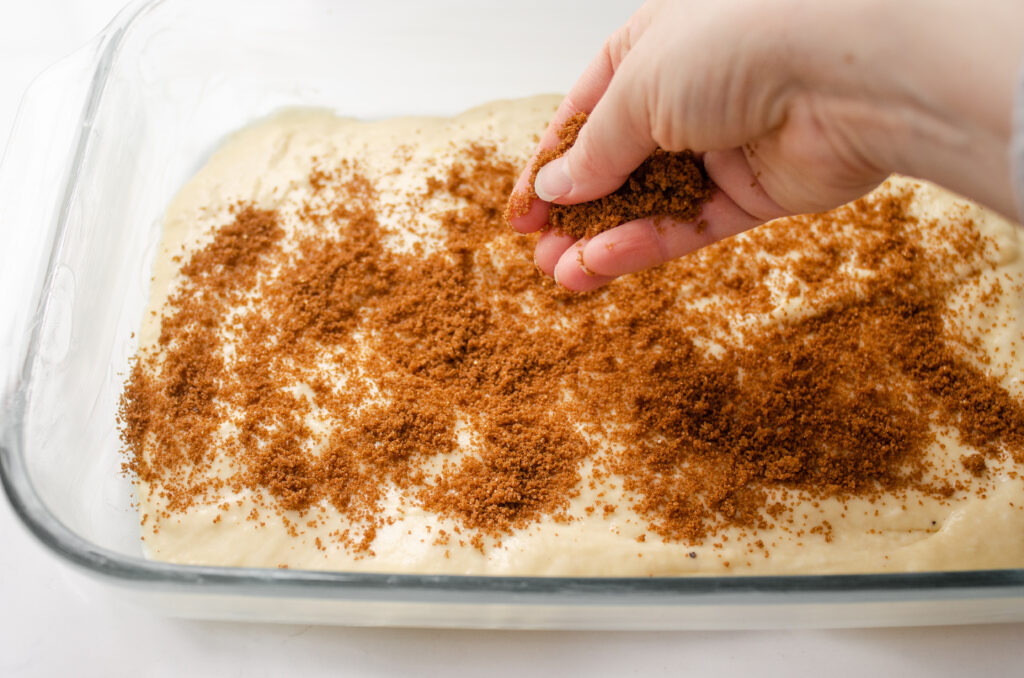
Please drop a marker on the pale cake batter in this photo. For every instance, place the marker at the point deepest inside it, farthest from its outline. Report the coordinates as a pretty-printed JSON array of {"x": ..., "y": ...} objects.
[{"x": 268, "y": 166}]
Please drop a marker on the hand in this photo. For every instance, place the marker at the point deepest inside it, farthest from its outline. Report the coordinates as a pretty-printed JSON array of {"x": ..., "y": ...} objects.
[{"x": 797, "y": 106}]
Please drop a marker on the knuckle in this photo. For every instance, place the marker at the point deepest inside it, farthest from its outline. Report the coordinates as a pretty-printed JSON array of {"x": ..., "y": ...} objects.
[
  {"x": 623, "y": 40},
  {"x": 618, "y": 45},
  {"x": 665, "y": 128}
]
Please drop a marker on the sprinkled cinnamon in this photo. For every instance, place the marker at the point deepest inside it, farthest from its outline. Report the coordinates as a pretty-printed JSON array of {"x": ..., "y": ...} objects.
[{"x": 333, "y": 370}]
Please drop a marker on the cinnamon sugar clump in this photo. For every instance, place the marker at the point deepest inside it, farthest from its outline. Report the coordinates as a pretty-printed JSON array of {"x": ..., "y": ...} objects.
[
  {"x": 975, "y": 463},
  {"x": 666, "y": 184},
  {"x": 334, "y": 369}
]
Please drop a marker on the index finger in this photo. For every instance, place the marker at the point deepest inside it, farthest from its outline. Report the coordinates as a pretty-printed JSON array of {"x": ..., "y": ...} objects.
[{"x": 582, "y": 98}]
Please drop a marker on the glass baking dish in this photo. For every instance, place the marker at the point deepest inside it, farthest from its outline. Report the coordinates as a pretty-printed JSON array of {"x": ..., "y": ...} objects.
[{"x": 103, "y": 141}]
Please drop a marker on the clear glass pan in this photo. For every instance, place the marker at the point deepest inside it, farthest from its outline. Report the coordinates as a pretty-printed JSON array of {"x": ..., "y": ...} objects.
[{"x": 103, "y": 141}]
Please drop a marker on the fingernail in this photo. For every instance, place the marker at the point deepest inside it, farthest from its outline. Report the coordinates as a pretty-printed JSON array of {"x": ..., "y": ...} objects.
[{"x": 553, "y": 180}]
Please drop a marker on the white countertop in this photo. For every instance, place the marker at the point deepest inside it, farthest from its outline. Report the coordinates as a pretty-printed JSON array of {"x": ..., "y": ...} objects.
[{"x": 53, "y": 625}]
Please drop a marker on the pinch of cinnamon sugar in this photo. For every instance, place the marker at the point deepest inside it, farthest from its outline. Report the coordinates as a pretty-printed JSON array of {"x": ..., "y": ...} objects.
[
  {"x": 667, "y": 184},
  {"x": 975, "y": 464}
]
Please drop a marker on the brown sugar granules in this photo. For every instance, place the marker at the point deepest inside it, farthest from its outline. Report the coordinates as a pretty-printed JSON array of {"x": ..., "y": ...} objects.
[
  {"x": 519, "y": 202},
  {"x": 329, "y": 370},
  {"x": 975, "y": 463},
  {"x": 666, "y": 184},
  {"x": 839, "y": 403}
]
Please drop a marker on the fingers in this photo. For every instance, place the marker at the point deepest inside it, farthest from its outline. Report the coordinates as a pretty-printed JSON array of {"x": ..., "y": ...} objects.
[
  {"x": 616, "y": 91},
  {"x": 737, "y": 204},
  {"x": 535, "y": 216},
  {"x": 559, "y": 256},
  {"x": 613, "y": 142},
  {"x": 549, "y": 249},
  {"x": 571, "y": 273},
  {"x": 731, "y": 171},
  {"x": 584, "y": 96},
  {"x": 644, "y": 243}
]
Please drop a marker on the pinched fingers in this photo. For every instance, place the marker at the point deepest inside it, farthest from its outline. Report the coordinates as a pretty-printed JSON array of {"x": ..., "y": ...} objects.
[
  {"x": 550, "y": 247},
  {"x": 582, "y": 98},
  {"x": 572, "y": 274},
  {"x": 737, "y": 204},
  {"x": 558, "y": 256}
]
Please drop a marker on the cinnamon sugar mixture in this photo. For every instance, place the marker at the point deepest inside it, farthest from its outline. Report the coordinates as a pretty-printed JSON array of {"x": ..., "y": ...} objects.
[
  {"x": 340, "y": 365},
  {"x": 667, "y": 184}
]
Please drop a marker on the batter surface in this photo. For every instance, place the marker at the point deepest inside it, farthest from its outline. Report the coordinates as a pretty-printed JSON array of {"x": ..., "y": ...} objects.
[{"x": 291, "y": 406}]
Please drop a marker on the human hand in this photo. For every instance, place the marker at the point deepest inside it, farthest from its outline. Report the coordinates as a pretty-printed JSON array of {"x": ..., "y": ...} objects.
[{"x": 796, "y": 105}]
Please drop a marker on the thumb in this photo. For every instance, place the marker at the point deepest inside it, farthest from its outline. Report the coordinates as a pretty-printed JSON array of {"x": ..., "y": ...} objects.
[{"x": 612, "y": 143}]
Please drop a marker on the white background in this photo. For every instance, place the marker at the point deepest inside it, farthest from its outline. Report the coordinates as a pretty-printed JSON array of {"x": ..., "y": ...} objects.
[{"x": 52, "y": 625}]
